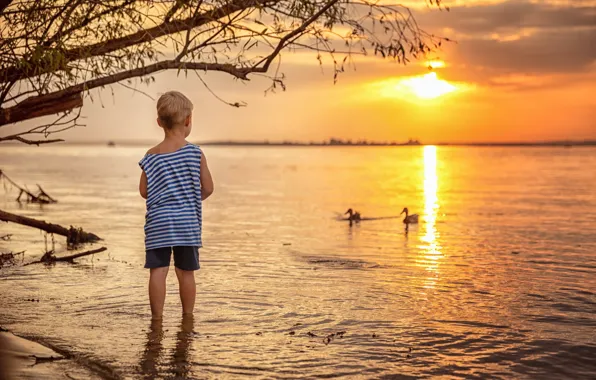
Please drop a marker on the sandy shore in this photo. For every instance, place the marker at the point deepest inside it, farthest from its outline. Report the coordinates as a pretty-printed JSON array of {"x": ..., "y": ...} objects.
[{"x": 24, "y": 359}]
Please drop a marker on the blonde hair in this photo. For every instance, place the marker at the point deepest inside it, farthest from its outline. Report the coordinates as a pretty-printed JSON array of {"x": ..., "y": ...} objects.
[{"x": 173, "y": 108}]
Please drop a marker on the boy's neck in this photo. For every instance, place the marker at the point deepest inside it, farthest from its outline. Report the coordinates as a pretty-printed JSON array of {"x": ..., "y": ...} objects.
[{"x": 175, "y": 135}]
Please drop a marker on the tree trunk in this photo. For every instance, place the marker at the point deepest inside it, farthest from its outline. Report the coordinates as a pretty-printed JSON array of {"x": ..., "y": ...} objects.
[{"x": 30, "y": 108}]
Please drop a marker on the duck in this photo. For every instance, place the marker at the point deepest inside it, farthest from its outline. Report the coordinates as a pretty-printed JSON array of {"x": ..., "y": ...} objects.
[
  {"x": 353, "y": 215},
  {"x": 409, "y": 219}
]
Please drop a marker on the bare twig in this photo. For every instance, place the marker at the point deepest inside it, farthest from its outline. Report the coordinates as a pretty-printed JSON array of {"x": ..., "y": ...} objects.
[
  {"x": 50, "y": 258},
  {"x": 236, "y": 104},
  {"x": 46, "y": 195},
  {"x": 30, "y": 142},
  {"x": 41, "y": 197},
  {"x": 294, "y": 34},
  {"x": 134, "y": 89}
]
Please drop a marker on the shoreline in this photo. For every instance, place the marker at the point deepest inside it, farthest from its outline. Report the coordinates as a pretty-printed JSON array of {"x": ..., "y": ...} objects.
[
  {"x": 24, "y": 356},
  {"x": 226, "y": 143}
]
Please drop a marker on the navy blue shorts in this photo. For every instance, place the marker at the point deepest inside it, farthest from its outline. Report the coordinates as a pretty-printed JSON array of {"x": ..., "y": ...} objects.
[{"x": 185, "y": 257}]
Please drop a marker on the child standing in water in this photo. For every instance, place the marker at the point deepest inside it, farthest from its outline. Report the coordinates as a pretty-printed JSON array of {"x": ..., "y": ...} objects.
[{"x": 175, "y": 180}]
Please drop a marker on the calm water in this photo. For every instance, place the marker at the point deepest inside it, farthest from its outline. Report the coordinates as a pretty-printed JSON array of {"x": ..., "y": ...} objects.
[{"x": 498, "y": 279}]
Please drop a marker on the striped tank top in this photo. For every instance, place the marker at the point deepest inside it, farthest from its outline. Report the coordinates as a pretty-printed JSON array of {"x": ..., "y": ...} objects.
[{"x": 174, "y": 206}]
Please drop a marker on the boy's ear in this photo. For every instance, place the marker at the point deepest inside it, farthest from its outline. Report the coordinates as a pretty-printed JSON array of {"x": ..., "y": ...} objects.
[
  {"x": 159, "y": 122},
  {"x": 188, "y": 120}
]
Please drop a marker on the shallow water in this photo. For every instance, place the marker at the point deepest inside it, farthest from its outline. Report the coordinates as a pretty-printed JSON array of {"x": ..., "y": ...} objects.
[{"x": 497, "y": 280}]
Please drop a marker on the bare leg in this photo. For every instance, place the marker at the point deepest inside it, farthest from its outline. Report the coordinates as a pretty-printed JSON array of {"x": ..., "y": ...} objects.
[
  {"x": 157, "y": 291},
  {"x": 188, "y": 289}
]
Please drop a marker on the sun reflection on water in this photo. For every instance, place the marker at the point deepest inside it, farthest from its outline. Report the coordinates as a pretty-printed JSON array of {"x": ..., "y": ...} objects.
[{"x": 430, "y": 249}]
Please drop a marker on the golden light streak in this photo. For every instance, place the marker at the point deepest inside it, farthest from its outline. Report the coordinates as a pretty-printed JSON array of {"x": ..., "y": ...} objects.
[{"x": 431, "y": 249}]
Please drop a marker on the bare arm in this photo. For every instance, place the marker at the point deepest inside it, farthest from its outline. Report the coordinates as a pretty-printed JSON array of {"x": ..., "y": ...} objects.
[
  {"x": 143, "y": 185},
  {"x": 206, "y": 180}
]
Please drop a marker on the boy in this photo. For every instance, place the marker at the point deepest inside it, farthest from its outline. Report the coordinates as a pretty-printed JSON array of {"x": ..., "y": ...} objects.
[{"x": 175, "y": 180}]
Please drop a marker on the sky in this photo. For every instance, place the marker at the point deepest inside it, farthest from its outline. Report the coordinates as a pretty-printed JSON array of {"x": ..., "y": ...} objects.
[{"x": 519, "y": 70}]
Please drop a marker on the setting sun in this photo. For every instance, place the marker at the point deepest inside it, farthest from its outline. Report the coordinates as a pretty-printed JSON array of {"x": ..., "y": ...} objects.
[
  {"x": 435, "y": 64},
  {"x": 427, "y": 86}
]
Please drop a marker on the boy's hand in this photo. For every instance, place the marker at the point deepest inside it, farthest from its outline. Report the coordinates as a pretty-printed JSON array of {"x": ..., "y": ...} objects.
[
  {"x": 206, "y": 180},
  {"x": 143, "y": 185}
]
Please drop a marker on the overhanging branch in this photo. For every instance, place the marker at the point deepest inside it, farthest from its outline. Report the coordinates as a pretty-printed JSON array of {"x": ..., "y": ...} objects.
[
  {"x": 28, "y": 141},
  {"x": 71, "y": 97},
  {"x": 147, "y": 35},
  {"x": 288, "y": 37},
  {"x": 32, "y": 107}
]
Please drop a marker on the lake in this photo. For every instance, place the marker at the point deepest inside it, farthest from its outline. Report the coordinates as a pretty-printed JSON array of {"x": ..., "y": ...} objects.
[{"x": 497, "y": 280}]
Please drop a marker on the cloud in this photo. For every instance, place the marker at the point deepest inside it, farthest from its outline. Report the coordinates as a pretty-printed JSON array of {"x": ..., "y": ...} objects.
[
  {"x": 549, "y": 51},
  {"x": 520, "y": 36},
  {"x": 489, "y": 18},
  {"x": 495, "y": 40}
]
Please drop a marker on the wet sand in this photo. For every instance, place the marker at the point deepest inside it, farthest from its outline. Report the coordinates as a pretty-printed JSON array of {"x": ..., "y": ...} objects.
[{"x": 22, "y": 358}]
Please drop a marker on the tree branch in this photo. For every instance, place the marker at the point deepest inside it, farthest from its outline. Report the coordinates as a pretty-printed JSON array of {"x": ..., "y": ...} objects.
[
  {"x": 296, "y": 33},
  {"x": 73, "y": 235},
  {"x": 90, "y": 18},
  {"x": 147, "y": 35},
  {"x": 71, "y": 97},
  {"x": 42, "y": 105},
  {"x": 175, "y": 8},
  {"x": 29, "y": 142},
  {"x": 49, "y": 257}
]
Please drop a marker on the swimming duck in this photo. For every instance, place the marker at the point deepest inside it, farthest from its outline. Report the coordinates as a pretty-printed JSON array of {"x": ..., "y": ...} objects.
[
  {"x": 409, "y": 219},
  {"x": 353, "y": 215}
]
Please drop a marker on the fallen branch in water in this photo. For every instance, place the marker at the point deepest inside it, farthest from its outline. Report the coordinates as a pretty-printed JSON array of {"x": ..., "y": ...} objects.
[
  {"x": 74, "y": 236},
  {"x": 8, "y": 258},
  {"x": 45, "y": 195},
  {"x": 49, "y": 257},
  {"x": 42, "y": 197}
]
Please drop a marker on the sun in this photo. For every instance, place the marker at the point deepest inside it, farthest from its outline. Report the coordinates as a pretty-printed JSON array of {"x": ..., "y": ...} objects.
[
  {"x": 427, "y": 86},
  {"x": 422, "y": 87},
  {"x": 435, "y": 64}
]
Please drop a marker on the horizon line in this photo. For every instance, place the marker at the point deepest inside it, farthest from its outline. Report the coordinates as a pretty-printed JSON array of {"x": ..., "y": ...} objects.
[
  {"x": 327, "y": 143},
  {"x": 344, "y": 143}
]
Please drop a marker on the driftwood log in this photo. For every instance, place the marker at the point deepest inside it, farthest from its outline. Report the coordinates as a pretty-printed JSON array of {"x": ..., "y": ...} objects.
[
  {"x": 49, "y": 257},
  {"x": 41, "y": 197},
  {"x": 74, "y": 236}
]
